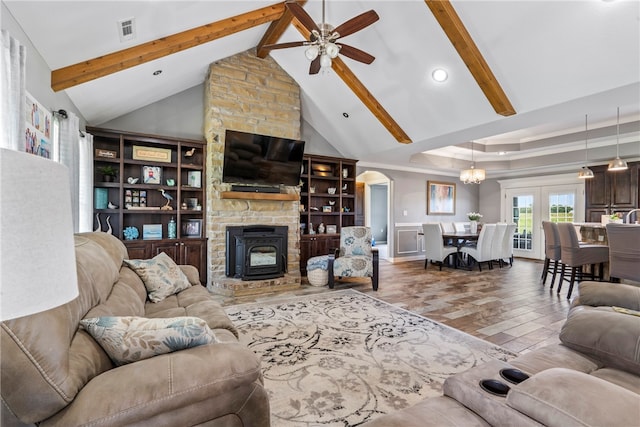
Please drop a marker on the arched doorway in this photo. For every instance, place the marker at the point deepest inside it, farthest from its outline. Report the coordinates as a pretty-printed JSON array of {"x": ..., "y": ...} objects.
[{"x": 373, "y": 197}]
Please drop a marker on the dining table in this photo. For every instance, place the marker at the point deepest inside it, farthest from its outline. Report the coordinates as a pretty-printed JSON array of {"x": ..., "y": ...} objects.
[{"x": 459, "y": 239}]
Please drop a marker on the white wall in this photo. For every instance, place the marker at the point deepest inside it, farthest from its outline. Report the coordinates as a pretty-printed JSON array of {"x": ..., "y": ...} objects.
[{"x": 38, "y": 73}]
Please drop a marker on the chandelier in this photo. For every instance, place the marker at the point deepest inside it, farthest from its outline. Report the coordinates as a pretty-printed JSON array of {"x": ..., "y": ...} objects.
[{"x": 472, "y": 175}]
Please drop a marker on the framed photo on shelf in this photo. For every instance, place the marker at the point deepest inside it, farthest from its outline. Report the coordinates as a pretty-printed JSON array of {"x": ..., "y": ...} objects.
[
  {"x": 192, "y": 228},
  {"x": 441, "y": 198},
  {"x": 194, "y": 179},
  {"x": 151, "y": 174}
]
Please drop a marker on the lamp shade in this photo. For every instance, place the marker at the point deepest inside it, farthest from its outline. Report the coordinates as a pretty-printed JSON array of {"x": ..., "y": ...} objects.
[{"x": 37, "y": 255}]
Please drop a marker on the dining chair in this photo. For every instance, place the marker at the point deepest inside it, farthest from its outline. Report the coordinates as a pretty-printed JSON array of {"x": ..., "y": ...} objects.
[
  {"x": 356, "y": 257},
  {"x": 507, "y": 243},
  {"x": 496, "y": 243},
  {"x": 624, "y": 251},
  {"x": 482, "y": 251},
  {"x": 448, "y": 227},
  {"x": 434, "y": 247},
  {"x": 461, "y": 227},
  {"x": 575, "y": 256},
  {"x": 552, "y": 252}
]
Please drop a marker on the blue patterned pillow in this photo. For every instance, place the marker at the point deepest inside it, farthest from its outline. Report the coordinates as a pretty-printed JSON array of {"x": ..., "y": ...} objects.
[
  {"x": 161, "y": 276},
  {"x": 128, "y": 339}
]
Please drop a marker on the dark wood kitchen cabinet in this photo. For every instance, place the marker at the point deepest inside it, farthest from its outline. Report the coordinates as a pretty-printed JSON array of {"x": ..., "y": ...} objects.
[{"x": 611, "y": 192}]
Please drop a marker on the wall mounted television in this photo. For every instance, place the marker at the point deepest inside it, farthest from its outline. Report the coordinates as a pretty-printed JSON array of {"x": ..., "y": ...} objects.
[{"x": 261, "y": 160}]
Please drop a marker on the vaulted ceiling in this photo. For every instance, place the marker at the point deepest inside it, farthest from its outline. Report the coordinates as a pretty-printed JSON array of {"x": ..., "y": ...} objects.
[{"x": 552, "y": 61}]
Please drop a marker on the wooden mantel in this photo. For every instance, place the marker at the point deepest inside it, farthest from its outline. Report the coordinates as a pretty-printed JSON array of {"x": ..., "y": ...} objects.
[{"x": 258, "y": 196}]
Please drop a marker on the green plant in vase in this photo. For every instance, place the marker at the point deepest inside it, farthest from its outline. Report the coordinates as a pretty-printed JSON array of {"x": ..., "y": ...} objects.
[{"x": 109, "y": 173}]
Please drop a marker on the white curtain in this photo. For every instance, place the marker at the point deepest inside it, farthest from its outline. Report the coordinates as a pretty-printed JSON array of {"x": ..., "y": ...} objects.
[
  {"x": 12, "y": 93},
  {"x": 85, "y": 184},
  {"x": 69, "y": 149}
]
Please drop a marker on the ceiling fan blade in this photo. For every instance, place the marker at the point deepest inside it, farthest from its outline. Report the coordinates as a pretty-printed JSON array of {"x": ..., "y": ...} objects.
[
  {"x": 357, "y": 23},
  {"x": 283, "y": 45},
  {"x": 355, "y": 53},
  {"x": 314, "y": 68},
  {"x": 301, "y": 15}
]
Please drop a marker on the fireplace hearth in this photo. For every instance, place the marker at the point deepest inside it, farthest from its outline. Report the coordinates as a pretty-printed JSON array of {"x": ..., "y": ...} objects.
[{"x": 256, "y": 252}]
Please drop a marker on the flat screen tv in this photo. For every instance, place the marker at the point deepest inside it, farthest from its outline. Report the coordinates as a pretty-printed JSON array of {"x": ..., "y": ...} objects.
[{"x": 261, "y": 160}]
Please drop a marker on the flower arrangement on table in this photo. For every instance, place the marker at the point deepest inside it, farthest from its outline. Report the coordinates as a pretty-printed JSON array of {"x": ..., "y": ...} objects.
[{"x": 474, "y": 216}]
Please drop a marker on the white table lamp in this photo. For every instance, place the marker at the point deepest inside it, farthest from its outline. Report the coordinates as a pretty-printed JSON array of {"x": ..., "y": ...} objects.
[{"x": 37, "y": 255}]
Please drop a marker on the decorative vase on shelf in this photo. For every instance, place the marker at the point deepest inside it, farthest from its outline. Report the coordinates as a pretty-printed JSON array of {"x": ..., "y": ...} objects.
[
  {"x": 474, "y": 227},
  {"x": 321, "y": 228}
]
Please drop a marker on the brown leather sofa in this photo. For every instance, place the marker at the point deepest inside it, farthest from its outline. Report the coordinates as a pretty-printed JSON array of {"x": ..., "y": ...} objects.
[
  {"x": 592, "y": 378},
  {"x": 55, "y": 374}
]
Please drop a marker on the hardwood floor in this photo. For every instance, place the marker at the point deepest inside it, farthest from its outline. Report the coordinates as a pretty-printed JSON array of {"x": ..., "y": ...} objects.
[{"x": 508, "y": 306}]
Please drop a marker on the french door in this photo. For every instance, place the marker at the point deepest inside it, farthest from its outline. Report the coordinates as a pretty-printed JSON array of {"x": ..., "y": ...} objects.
[{"x": 528, "y": 207}]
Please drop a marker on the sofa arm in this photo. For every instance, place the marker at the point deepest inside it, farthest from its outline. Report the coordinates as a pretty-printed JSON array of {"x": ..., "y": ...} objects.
[
  {"x": 192, "y": 274},
  {"x": 220, "y": 379},
  {"x": 564, "y": 397},
  {"x": 608, "y": 294},
  {"x": 600, "y": 332}
]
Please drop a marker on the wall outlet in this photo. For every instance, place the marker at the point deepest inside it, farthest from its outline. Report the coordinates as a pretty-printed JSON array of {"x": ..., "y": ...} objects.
[{"x": 404, "y": 212}]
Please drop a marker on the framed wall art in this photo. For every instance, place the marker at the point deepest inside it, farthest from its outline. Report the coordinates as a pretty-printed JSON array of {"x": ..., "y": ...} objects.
[
  {"x": 151, "y": 174},
  {"x": 153, "y": 154},
  {"x": 441, "y": 198}
]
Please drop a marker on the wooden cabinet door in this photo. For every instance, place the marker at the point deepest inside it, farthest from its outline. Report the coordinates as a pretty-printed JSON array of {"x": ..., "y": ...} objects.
[
  {"x": 138, "y": 249},
  {"x": 597, "y": 189},
  {"x": 194, "y": 252},
  {"x": 306, "y": 251},
  {"x": 624, "y": 188},
  {"x": 171, "y": 248}
]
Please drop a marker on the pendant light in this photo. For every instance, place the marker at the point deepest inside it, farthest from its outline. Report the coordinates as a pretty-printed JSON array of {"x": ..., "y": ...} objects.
[
  {"x": 618, "y": 164},
  {"x": 585, "y": 172},
  {"x": 472, "y": 175}
]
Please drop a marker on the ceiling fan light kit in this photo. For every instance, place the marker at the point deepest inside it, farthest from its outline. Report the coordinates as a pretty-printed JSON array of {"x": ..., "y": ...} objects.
[
  {"x": 322, "y": 45},
  {"x": 618, "y": 164},
  {"x": 585, "y": 172}
]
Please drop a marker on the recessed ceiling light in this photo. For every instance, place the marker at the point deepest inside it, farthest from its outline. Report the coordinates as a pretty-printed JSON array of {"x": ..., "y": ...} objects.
[
  {"x": 439, "y": 75},
  {"x": 502, "y": 153},
  {"x": 345, "y": 115}
]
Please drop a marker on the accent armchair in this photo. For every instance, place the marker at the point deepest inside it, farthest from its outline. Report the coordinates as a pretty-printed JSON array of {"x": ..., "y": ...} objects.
[{"x": 356, "y": 256}]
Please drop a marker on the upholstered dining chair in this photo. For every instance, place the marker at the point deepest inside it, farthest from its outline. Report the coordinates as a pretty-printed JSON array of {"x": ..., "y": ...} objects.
[
  {"x": 575, "y": 256},
  {"x": 624, "y": 251},
  {"x": 507, "y": 243},
  {"x": 356, "y": 256},
  {"x": 552, "y": 252},
  {"x": 448, "y": 227},
  {"x": 496, "y": 243},
  {"x": 482, "y": 251},
  {"x": 461, "y": 227},
  {"x": 434, "y": 248}
]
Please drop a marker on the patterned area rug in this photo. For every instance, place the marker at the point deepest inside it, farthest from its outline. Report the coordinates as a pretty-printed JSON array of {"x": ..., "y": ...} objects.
[{"x": 343, "y": 358}]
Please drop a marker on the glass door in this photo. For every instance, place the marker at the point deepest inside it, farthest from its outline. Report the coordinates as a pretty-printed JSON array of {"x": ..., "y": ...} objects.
[{"x": 523, "y": 211}]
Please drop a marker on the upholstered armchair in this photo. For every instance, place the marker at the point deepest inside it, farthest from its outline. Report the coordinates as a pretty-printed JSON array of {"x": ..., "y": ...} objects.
[{"x": 356, "y": 256}]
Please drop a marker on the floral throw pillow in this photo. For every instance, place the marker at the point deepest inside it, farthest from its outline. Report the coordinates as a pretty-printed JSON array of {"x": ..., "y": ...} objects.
[
  {"x": 161, "y": 276},
  {"x": 129, "y": 339}
]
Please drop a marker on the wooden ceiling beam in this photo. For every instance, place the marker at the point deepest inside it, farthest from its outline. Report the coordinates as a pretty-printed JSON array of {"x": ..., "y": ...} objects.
[
  {"x": 101, "y": 66},
  {"x": 362, "y": 93},
  {"x": 453, "y": 27},
  {"x": 275, "y": 31}
]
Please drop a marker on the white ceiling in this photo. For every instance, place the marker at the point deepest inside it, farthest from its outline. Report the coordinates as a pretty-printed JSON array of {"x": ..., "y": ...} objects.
[{"x": 556, "y": 61}]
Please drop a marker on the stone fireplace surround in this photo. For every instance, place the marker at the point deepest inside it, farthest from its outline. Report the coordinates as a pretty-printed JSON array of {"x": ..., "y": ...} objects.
[{"x": 246, "y": 93}]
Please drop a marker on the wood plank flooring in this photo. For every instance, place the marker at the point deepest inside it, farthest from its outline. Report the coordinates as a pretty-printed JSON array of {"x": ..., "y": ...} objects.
[{"x": 508, "y": 306}]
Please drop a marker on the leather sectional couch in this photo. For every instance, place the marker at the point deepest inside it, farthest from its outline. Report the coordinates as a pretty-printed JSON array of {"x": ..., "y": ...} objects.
[
  {"x": 55, "y": 374},
  {"x": 592, "y": 378}
]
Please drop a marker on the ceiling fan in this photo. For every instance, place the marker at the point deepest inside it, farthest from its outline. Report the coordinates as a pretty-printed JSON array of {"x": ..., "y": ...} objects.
[{"x": 323, "y": 45}]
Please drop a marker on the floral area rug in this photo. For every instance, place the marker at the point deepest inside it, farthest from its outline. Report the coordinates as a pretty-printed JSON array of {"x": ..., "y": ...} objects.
[{"x": 343, "y": 358}]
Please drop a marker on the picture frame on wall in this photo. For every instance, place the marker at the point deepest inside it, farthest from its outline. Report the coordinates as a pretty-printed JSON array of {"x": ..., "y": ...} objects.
[
  {"x": 151, "y": 174},
  {"x": 192, "y": 228},
  {"x": 441, "y": 198}
]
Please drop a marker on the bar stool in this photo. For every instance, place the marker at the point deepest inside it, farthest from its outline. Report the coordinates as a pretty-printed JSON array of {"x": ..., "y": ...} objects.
[
  {"x": 624, "y": 252},
  {"x": 552, "y": 252},
  {"x": 575, "y": 256}
]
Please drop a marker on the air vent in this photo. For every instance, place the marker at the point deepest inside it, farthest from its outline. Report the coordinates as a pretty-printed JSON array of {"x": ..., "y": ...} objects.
[{"x": 127, "y": 29}]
